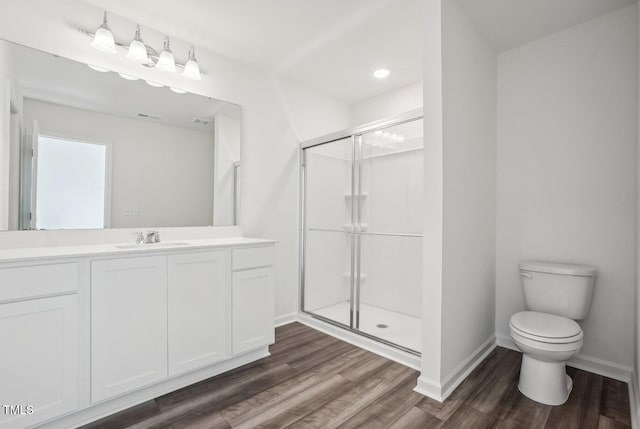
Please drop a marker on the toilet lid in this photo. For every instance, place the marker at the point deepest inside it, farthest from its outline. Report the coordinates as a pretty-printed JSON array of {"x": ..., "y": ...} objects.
[{"x": 545, "y": 327}]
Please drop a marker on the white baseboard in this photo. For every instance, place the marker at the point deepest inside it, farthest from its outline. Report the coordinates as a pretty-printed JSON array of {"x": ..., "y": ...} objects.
[
  {"x": 429, "y": 388},
  {"x": 441, "y": 391},
  {"x": 286, "y": 319},
  {"x": 585, "y": 363},
  {"x": 465, "y": 368}
]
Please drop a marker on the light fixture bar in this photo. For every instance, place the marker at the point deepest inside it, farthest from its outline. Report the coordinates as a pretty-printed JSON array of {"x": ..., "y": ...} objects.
[{"x": 150, "y": 51}]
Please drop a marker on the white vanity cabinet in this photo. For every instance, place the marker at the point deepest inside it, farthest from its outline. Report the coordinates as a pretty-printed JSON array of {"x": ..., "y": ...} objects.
[
  {"x": 39, "y": 352},
  {"x": 128, "y": 324},
  {"x": 198, "y": 310},
  {"x": 252, "y": 297},
  {"x": 87, "y": 334}
]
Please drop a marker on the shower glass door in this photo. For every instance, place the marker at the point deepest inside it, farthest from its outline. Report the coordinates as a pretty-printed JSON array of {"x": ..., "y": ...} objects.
[
  {"x": 362, "y": 232},
  {"x": 389, "y": 244},
  {"x": 328, "y": 233}
]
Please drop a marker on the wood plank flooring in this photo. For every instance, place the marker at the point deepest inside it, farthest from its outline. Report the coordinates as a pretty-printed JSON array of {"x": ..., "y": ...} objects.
[{"x": 312, "y": 380}]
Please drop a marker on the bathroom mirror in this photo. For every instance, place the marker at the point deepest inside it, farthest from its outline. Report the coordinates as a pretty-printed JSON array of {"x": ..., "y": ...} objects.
[{"x": 84, "y": 148}]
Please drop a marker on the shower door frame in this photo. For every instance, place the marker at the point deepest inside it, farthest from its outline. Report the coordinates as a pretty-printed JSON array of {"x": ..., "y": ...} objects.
[{"x": 356, "y": 134}]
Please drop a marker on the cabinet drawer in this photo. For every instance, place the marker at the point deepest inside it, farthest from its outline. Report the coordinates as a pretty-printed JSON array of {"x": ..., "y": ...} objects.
[
  {"x": 19, "y": 283},
  {"x": 252, "y": 257}
]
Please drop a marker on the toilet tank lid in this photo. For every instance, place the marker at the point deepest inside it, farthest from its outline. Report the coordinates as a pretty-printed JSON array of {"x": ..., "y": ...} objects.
[{"x": 557, "y": 268}]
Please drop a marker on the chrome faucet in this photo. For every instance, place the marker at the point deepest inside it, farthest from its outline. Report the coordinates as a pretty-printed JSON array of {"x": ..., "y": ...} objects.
[{"x": 152, "y": 237}]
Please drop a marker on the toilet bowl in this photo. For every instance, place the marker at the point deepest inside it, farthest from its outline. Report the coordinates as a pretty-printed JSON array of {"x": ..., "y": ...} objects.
[
  {"x": 556, "y": 295},
  {"x": 547, "y": 342}
]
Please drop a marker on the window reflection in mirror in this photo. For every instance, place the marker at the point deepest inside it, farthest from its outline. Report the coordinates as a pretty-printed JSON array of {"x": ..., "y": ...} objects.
[
  {"x": 71, "y": 184},
  {"x": 86, "y": 149}
]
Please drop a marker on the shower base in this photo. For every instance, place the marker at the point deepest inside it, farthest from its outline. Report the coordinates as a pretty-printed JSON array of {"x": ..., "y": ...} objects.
[{"x": 401, "y": 329}]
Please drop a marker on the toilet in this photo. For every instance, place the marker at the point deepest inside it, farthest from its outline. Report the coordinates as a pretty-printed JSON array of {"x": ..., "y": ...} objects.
[{"x": 556, "y": 295}]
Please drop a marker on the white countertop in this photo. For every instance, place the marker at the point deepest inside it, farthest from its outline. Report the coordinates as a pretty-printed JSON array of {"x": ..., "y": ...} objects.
[{"x": 112, "y": 249}]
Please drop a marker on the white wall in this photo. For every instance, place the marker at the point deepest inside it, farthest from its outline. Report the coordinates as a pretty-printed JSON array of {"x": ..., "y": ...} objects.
[
  {"x": 312, "y": 113},
  {"x": 567, "y": 115},
  {"x": 431, "y": 357},
  {"x": 391, "y": 103},
  {"x": 468, "y": 284},
  {"x": 269, "y": 174},
  {"x": 164, "y": 172}
]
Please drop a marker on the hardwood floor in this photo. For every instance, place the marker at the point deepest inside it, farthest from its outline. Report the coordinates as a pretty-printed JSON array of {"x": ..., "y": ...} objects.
[{"x": 312, "y": 380}]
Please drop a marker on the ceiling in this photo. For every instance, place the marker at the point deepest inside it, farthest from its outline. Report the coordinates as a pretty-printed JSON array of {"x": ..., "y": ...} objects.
[
  {"x": 58, "y": 80},
  {"x": 332, "y": 46},
  {"x": 510, "y": 23}
]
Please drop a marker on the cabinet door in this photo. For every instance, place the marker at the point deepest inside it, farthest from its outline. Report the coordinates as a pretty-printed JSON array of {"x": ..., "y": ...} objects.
[
  {"x": 39, "y": 360},
  {"x": 253, "y": 312},
  {"x": 198, "y": 310},
  {"x": 128, "y": 324}
]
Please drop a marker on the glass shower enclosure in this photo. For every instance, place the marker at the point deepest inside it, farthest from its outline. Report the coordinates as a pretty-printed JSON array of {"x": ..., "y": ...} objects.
[{"x": 361, "y": 244}]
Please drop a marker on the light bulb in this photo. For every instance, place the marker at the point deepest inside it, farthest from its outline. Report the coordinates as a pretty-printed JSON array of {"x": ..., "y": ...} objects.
[
  {"x": 191, "y": 68},
  {"x": 166, "y": 61},
  {"x": 137, "y": 49},
  {"x": 154, "y": 84},
  {"x": 103, "y": 39},
  {"x": 178, "y": 90}
]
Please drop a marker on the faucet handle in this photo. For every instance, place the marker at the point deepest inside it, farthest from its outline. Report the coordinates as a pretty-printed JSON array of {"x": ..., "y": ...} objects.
[
  {"x": 139, "y": 237},
  {"x": 153, "y": 237}
]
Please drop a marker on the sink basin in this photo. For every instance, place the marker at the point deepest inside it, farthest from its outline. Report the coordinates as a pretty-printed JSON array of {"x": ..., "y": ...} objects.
[{"x": 152, "y": 245}]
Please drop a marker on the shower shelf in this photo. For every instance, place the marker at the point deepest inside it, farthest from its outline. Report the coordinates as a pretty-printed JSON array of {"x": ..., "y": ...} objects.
[{"x": 349, "y": 196}]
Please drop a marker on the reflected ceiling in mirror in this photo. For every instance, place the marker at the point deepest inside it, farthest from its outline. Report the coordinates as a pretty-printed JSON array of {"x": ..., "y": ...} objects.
[{"x": 92, "y": 149}]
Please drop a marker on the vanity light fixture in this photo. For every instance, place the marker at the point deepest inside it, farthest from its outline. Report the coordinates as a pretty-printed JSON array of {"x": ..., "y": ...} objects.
[
  {"x": 178, "y": 90},
  {"x": 98, "y": 68},
  {"x": 103, "y": 38},
  {"x": 381, "y": 73},
  {"x": 166, "y": 61},
  {"x": 192, "y": 68},
  {"x": 137, "y": 49},
  {"x": 127, "y": 76}
]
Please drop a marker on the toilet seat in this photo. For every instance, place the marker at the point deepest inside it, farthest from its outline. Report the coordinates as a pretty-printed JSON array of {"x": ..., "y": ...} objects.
[{"x": 545, "y": 328}]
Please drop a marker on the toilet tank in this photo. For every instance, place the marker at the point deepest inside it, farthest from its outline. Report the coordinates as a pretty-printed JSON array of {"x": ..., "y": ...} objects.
[{"x": 560, "y": 289}]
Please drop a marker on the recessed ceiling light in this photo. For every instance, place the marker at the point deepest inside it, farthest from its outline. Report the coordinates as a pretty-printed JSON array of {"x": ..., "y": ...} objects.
[
  {"x": 127, "y": 76},
  {"x": 154, "y": 84},
  {"x": 381, "y": 73},
  {"x": 178, "y": 90},
  {"x": 98, "y": 68}
]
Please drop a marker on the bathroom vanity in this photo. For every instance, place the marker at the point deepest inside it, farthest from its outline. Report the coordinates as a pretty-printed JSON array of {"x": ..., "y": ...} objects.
[{"x": 91, "y": 330}]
